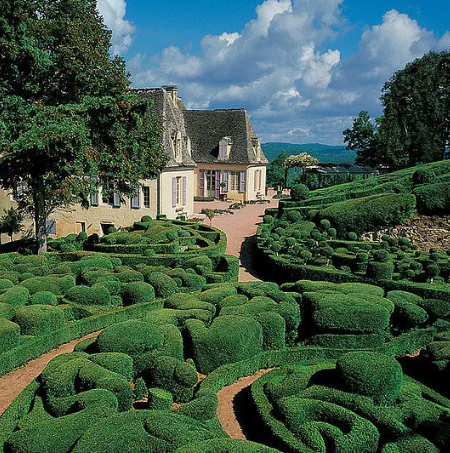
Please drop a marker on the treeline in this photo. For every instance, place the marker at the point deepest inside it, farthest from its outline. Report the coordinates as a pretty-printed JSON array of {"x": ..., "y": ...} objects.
[{"x": 415, "y": 124}]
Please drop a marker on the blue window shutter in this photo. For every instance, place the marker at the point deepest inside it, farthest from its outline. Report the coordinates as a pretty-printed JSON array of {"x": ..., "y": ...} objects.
[
  {"x": 217, "y": 184},
  {"x": 174, "y": 192},
  {"x": 94, "y": 199},
  {"x": 116, "y": 201},
  {"x": 136, "y": 200},
  {"x": 225, "y": 175},
  {"x": 184, "y": 189},
  {"x": 201, "y": 183},
  {"x": 242, "y": 178}
]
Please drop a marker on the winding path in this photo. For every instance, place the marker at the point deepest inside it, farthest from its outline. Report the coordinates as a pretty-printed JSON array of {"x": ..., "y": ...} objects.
[
  {"x": 13, "y": 383},
  {"x": 225, "y": 410},
  {"x": 240, "y": 228}
]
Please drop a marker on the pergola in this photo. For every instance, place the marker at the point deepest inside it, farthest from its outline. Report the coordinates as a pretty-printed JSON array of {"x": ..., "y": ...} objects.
[{"x": 338, "y": 173}]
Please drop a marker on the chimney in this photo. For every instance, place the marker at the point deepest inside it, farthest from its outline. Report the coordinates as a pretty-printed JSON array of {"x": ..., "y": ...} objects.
[{"x": 172, "y": 91}]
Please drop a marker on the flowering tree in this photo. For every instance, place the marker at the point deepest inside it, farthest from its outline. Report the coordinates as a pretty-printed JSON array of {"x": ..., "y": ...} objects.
[{"x": 301, "y": 160}]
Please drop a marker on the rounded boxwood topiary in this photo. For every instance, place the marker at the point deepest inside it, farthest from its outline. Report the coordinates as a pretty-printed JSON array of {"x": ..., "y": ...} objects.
[
  {"x": 352, "y": 236},
  {"x": 9, "y": 335},
  {"x": 138, "y": 293},
  {"x": 39, "y": 319},
  {"x": 17, "y": 296},
  {"x": 89, "y": 295},
  {"x": 7, "y": 311},
  {"x": 130, "y": 337},
  {"x": 5, "y": 284},
  {"x": 159, "y": 399},
  {"x": 43, "y": 298},
  {"x": 163, "y": 285},
  {"x": 371, "y": 374},
  {"x": 299, "y": 192},
  {"x": 146, "y": 218}
]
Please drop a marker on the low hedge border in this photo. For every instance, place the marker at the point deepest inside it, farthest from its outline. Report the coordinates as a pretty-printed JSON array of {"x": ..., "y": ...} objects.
[
  {"x": 17, "y": 410},
  {"x": 34, "y": 348},
  {"x": 280, "y": 270}
]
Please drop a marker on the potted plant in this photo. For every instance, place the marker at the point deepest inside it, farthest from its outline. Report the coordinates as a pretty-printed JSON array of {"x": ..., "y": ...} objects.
[{"x": 223, "y": 196}]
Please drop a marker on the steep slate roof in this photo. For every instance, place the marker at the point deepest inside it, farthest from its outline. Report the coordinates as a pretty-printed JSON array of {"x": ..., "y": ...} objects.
[{"x": 207, "y": 127}]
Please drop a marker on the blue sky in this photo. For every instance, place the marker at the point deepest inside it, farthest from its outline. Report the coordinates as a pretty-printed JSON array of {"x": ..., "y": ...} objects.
[{"x": 302, "y": 68}]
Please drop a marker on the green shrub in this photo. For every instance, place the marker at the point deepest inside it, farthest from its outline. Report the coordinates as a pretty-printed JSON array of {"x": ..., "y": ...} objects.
[
  {"x": 17, "y": 296},
  {"x": 130, "y": 337},
  {"x": 159, "y": 399},
  {"x": 171, "y": 374},
  {"x": 182, "y": 301},
  {"x": 403, "y": 296},
  {"x": 214, "y": 296},
  {"x": 201, "y": 408},
  {"x": 7, "y": 311},
  {"x": 201, "y": 264},
  {"x": 89, "y": 295},
  {"x": 371, "y": 374},
  {"x": 39, "y": 319},
  {"x": 381, "y": 271},
  {"x": 232, "y": 301},
  {"x": 433, "y": 199},
  {"x": 437, "y": 308},
  {"x": 56, "y": 285},
  {"x": 163, "y": 285},
  {"x": 146, "y": 218},
  {"x": 254, "y": 289},
  {"x": 9, "y": 335},
  {"x": 138, "y": 293},
  {"x": 225, "y": 446},
  {"x": 5, "y": 284},
  {"x": 299, "y": 192},
  {"x": 56, "y": 435},
  {"x": 367, "y": 213},
  {"x": 114, "y": 361},
  {"x": 273, "y": 329},
  {"x": 43, "y": 298},
  {"x": 140, "y": 390},
  {"x": 129, "y": 276},
  {"x": 229, "y": 339}
]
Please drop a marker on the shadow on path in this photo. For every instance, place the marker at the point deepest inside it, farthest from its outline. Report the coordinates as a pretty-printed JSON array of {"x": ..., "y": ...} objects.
[{"x": 247, "y": 254}]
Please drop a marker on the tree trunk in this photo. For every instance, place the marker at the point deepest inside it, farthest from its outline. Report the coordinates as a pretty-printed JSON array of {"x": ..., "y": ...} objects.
[{"x": 40, "y": 216}]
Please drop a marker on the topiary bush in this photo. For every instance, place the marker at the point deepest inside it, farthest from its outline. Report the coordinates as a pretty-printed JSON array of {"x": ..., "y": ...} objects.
[
  {"x": 137, "y": 293},
  {"x": 9, "y": 335},
  {"x": 39, "y": 319},
  {"x": 163, "y": 285},
  {"x": 89, "y": 295},
  {"x": 299, "y": 192},
  {"x": 43, "y": 298},
  {"x": 371, "y": 374}
]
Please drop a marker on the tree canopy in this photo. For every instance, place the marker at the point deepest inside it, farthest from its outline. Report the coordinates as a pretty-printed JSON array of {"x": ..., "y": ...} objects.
[
  {"x": 415, "y": 125},
  {"x": 275, "y": 170},
  {"x": 65, "y": 109}
]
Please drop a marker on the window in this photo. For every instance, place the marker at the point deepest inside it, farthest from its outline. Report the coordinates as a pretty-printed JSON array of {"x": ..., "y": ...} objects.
[
  {"x": 234, "y": 180},
  {"x": 177, "y": 146},
  {"x": 179, "y": 188},
  {"x": 51, "y": 227},
  {"x": 81, "y": 227},
  {"x": 257, "y": 185},
  {"x": 146, "y": 193},
  {"x": 107, "y": 191},
  {"x": 105, "y": 227},
  {"x": 136, "y": 199}
]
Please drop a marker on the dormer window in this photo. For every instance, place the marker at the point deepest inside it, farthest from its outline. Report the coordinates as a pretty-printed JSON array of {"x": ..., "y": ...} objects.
[
  {"x": 225, "y": 145},
  {"x": 256, "y": 145},
  {"x": 177, "y": 145}
]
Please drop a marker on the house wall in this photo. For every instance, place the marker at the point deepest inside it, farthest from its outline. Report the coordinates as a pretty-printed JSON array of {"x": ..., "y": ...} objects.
[
  {"x": 233, "y": 195},
  {"x": 69, "y": 220},
  {"x": 165, "y": 192},
  {"x": 252, "y": 193}
]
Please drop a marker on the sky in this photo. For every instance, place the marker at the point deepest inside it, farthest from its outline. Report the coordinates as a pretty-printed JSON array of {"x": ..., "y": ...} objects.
[{"x": 303, "y": 69}]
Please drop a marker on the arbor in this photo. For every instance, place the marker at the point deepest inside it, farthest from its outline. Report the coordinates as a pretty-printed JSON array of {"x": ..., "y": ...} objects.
[
  {"x": 301, "y": 160},
  {"x": 362, "y": 139},
  {"x": 65, "y": 109}
]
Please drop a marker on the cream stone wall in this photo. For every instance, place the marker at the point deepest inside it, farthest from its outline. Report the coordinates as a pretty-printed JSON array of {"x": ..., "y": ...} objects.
[
  {"x": 258, "y": 192},
  {"x": 233, "y": 195},
  {"x": 70, "y": 220},
  {"x": 165, "y": 192}
]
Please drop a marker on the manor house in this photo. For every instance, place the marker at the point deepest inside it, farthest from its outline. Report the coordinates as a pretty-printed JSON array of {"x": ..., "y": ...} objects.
[{"x": 212, "y": 153}]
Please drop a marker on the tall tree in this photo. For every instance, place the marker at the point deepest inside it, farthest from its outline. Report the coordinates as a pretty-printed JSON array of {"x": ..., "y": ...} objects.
[
  {"x": 65, "y": 109},
  {"x": 275, "y": 170},
  {"x": 362, "y": 139},
  {"x": 415, "y": 126}
]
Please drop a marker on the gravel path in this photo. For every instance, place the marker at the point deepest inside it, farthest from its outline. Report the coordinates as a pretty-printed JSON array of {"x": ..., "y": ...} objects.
[
  {"x": 240, "y": 229},
  {"x": 225, "y": 410},
  {"x": 13, "y": 383}
]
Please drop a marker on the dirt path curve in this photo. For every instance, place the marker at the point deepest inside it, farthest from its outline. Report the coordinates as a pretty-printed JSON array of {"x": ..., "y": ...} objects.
[
  {"x": 13, "y": 383},
  {"x": 240, "y": 228},
  {"x": 225, "y": 411}
]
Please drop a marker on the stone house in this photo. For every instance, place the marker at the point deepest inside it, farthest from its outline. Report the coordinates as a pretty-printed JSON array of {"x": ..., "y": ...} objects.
[{"x": 205, "y": 148}]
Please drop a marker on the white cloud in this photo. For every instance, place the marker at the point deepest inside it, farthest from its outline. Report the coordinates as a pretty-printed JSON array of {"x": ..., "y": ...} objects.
[
  {"x": 282, "y": 68},
  {"x": 113, "y": 13}
]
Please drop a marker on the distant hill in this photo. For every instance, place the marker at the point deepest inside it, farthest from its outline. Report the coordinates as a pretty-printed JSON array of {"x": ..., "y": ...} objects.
[{"x": 325, "y": 153}]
